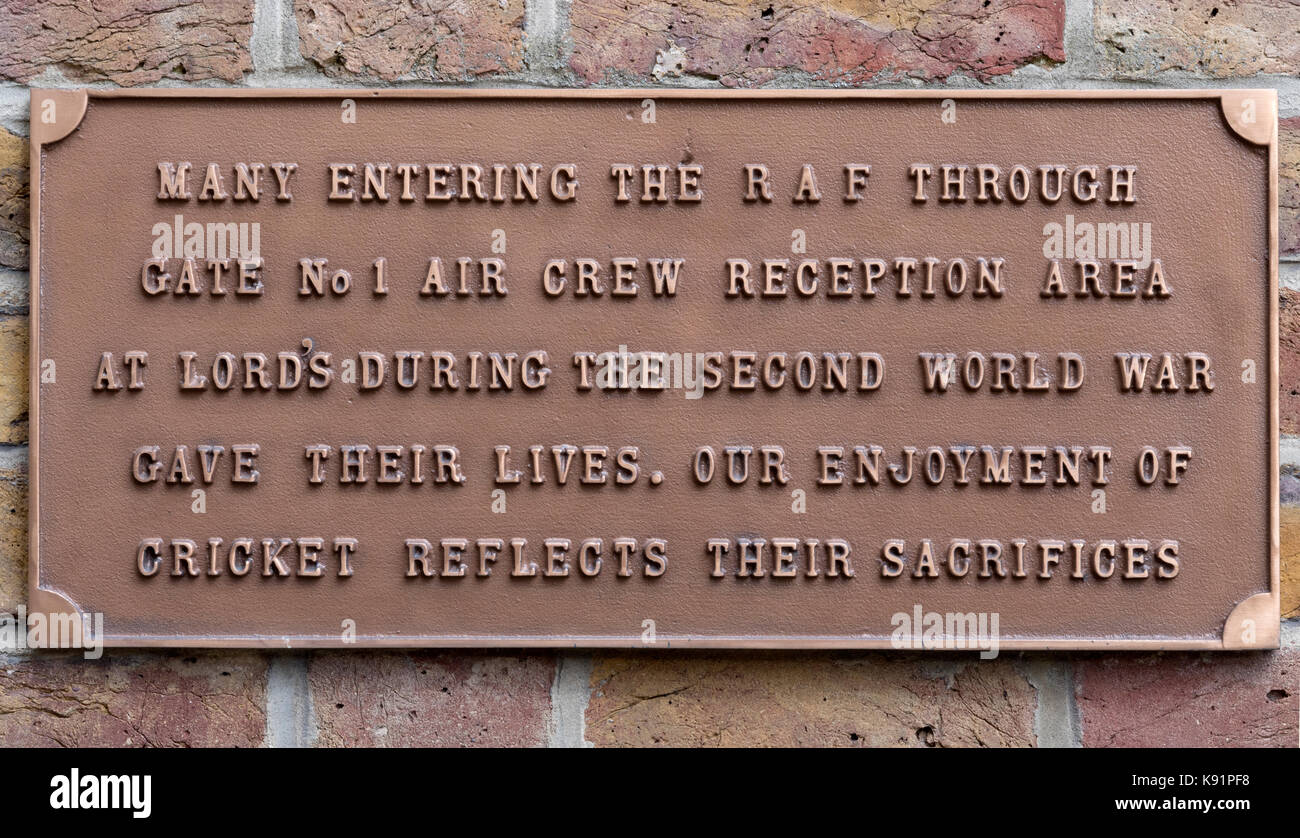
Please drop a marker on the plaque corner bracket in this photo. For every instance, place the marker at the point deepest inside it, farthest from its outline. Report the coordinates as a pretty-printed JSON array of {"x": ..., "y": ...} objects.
[
  {"x": 1255, "y": 623},
  {"x": 46, "y": 601},
  {"x": 56, "y": 113},
  {"x": 1252, "y": 114}
]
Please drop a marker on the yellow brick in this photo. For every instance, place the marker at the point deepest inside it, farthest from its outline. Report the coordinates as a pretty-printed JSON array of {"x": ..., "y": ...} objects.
[
  {"x": 13, "y": 380},
  {"x": 1290, "y": 562},
  {"x": 808, "y": 699}
]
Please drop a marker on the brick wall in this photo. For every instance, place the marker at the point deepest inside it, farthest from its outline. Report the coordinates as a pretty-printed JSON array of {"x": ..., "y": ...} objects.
[{"x": 252, "y": 698}]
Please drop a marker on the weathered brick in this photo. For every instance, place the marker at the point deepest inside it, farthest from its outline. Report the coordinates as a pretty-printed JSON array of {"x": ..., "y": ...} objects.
[
  {"x": 1290, "y": 562},
  {"x": 842, "y": 41},
  {"x": 13, "y": 379},
  {"x": 1190, "y": 700},
  {"x": 13, "y": 530},
  {"x": 444, "y": 699},
  {"x": 1138, "y": 38},
  {"x": 815, "y": 699},
  {"x": 1289, "y": 489},
  {"x": 153, "y": 699},
  {"x": 14, "y": 193},
  {"x": 1288, "y": 182},
  {"x": 128, "y": 42},
  {"x": 1289, "y": 361},
  {"x": 374, "y": 39},
  {"x": 14, "y": 293}
]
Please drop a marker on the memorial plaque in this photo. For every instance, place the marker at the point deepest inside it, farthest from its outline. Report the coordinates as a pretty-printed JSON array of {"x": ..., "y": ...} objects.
[{"x": 656, "y": 368}]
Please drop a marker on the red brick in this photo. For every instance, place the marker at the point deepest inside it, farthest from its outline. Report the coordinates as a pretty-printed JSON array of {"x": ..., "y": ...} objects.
[
  {"x": 127, "y": 42},
  {"x": 59, "y": 699},
  {"x": 1139, "y": 38},
  {"x": 1190, "y": 700},
  {"x": 431, "y": 699},
  {"x": 374, "y": 39},
  {"x": 1289, "y": 361},
  {"x": 842, "y": 41},
  {"x": 1288, "y": 182},
  {"x": 808, "y": 699}
]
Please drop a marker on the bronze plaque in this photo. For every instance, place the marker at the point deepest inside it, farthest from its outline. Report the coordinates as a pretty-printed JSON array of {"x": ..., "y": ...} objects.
[{"x": 656, "y": 368}]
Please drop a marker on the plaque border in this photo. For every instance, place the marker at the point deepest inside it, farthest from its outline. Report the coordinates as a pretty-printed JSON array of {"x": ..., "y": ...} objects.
[{"x": 1257, "y": 617}]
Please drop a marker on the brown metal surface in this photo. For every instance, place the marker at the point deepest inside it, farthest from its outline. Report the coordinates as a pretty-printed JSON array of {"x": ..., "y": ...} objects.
[{"x": 1205, "y": 184}]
